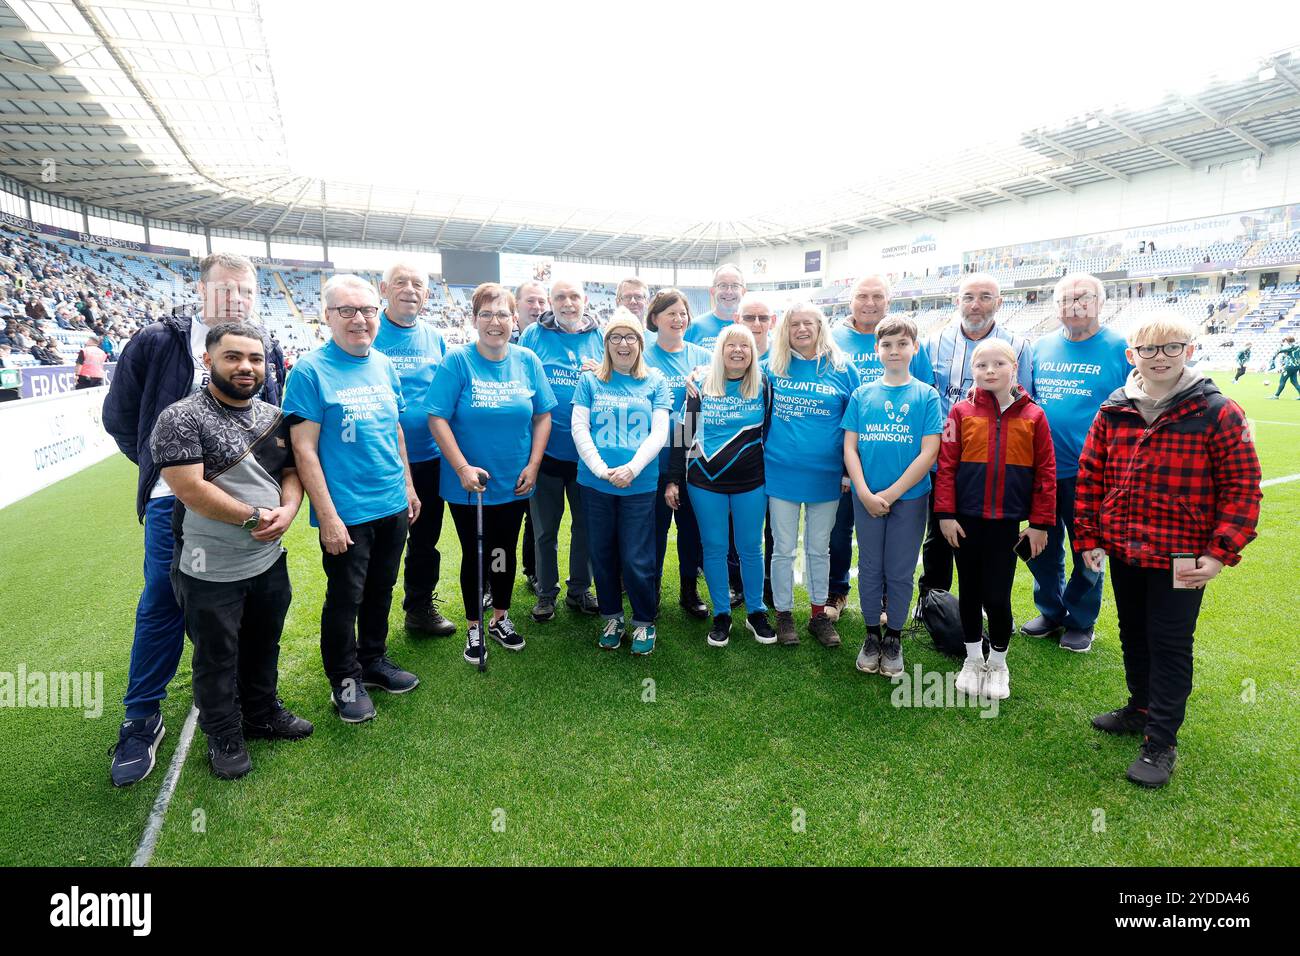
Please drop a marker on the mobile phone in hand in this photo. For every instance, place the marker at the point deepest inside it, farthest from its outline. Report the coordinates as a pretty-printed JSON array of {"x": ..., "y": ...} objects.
[
  {"x": 1182, "y": 562},
  {"x": 1024, "y": 550}
]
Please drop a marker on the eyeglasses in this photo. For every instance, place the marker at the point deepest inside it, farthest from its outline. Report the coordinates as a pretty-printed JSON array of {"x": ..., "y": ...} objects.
[
  {"x": 1088, "y": 298},
  {"x": 984, "y": 297},
  {"x": 349, "y": 311},
  {"x": 728, "y": 287},
  {"x": 1172, "y": 349},
  {"x": 756, "y": 318},
  {"x": 489, "y": 316},
  {"x": 617, "y": 339},
  {"x": 633, "y": 296}
]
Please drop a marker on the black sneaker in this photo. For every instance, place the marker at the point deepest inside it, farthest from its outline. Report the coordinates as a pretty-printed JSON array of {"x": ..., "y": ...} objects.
[
  {"x": 137, "y": 745},
  {"x": 758, "y": 625},
  {"x": 544, "y": 609},
  {"x": 475, "y": 650},
  {"x": 429, "y": 621},
  {"x": 1154, "y": 764},
  {"x": 386, "y": 675},
  {"x": 720, "y": 633},
  {"x": 352, "y": 702},
  {"x": 283, "y": 724},
  {"x": 532, "y": 583},
  {"x": 1126, "y": 720},
  {"x": 584, "y": 603},
  {"x": 691, "y": 603},
  {"x": 228, "y": 757},
  {"x": 504, "y": 633}
]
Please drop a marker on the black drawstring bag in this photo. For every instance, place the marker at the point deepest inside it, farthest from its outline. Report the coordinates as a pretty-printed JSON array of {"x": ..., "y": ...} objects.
[{"x": 941, "y": 616}]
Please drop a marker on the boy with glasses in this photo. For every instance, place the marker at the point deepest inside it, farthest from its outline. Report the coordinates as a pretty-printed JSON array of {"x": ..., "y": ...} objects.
[{"x": 1168, "y": 487}]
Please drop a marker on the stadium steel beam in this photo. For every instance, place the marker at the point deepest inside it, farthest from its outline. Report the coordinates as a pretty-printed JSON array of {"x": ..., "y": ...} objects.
[
  {"x": 1286, "y": 75},
  {"x": 306, "y": 184},
  {"x": 1075, "y": 157},
  {"x": 69, "y": 98},
  {"x": 1222, "y": 121},
  {"x": 1141, "y": 140},
  {"x": 365, "y": 223},
  {"x": 23, "y": 35},
  {"x": 487, "y": 221},
  {"x": 971, "y": 207}
]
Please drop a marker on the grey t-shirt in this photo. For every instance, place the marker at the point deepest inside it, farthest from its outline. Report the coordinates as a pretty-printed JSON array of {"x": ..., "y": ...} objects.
[{"x": 244, "y": 452}]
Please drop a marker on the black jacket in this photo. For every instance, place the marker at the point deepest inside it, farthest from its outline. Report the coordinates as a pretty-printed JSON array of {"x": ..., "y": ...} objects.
[{"x": 154, "y": 370}]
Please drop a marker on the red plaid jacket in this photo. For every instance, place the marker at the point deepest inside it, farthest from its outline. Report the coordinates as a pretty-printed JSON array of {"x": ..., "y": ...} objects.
[{"x": 1188, "y": 483}]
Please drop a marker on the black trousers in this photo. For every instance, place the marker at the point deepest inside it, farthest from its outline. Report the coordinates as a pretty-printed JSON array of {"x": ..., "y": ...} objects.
[
  {"x": 235, "y": 627},
  {"x": 936, "y": 557},
  {"x": 358, "y": 596},
  {"x": 1156, "y": 625},
  {"x": 530, "y": 545},
  {"x": 986, "y": 568},
  {"x": 500, "y": 547},
  {"x": 423, "y": 562}
]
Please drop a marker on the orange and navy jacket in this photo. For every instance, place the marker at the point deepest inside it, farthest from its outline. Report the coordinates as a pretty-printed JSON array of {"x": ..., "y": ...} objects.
[
  {"x": 997, "y": 464},
  {"x": 1187, "y": 483}
]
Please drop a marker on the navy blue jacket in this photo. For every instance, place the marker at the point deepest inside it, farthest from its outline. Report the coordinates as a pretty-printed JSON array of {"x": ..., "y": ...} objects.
[{"x": 154, "y": 370}]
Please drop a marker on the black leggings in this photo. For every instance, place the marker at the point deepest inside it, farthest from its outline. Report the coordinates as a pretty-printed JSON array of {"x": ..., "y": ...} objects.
[
  {"x": 986, "y": 566},
  {"x": 500, "y": 551}
]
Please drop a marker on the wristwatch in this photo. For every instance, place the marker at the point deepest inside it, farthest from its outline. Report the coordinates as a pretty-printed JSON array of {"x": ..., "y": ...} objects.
[{"x": 251, "y": 523}]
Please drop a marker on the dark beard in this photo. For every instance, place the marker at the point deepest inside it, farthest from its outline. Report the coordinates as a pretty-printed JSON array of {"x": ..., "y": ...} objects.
[{"x": 229, "y": 389}]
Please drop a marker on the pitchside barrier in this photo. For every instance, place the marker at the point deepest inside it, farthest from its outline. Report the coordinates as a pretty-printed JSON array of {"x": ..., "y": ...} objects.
[{"x": 44, "y": 440}]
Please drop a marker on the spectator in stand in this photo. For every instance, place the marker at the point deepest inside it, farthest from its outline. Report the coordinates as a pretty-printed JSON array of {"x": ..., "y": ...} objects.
[
  {"x": 47, "y": 353},
  {"x": 90, "y": 364}
]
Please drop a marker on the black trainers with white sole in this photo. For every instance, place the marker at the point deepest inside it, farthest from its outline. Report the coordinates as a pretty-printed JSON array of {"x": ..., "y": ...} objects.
[
  {"x": 720, "y": 633},
  {"x": 386, "y": 675},
  {"x": 475, "y": 649},
  {"x": 758, "y": 625},
  {"x": 504, "y": 633},
  {"x": 136, "y": 748},
  {"x": 353, "y": 704}
]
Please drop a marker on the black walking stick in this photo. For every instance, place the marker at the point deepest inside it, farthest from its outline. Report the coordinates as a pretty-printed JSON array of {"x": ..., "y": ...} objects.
[{"x": 482, "y": 614}]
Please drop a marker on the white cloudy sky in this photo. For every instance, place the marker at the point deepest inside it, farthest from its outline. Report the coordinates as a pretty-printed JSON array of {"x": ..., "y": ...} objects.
[{"x": 715, "y": 110}]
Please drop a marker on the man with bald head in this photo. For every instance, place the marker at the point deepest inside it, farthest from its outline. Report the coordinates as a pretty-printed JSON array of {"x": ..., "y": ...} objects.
[
  {"x": 416, "y": 349},
  {"x": 725, "y": 294},
  {"x": 856, "y": 337},
  {"x": 563, "y": 339},
  {"x": 950, "y": 350}
]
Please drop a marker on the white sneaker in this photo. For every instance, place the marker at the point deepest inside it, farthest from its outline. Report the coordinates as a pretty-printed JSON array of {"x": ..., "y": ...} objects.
[
  {"x": 971, "y": 678},
  {"x": 997, "y": 682}
]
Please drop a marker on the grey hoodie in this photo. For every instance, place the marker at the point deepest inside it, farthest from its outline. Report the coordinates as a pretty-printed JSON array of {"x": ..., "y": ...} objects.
[{"x": 1151, "y": 408}]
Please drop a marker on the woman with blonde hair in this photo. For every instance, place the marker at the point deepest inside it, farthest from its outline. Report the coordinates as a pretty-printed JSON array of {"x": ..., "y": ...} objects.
[
  {"x": 812, "y": 382},
  {"x": 721, "y": 462},
  {"x": 620, "y": 424}
]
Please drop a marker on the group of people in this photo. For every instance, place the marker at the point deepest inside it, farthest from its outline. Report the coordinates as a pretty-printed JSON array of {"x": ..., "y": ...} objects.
[{"x": 736, "y": 426}]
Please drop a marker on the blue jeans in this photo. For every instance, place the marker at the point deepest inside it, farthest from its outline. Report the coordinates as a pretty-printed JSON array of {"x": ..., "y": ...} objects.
[
  {"x": 689, "y": 556},
  {"x": 842, "y": 545},
  {"x": 748, "y": 509},
  {"x": 618, "y": 527},
  {"x": 159, "y": 622},
  {"x": 783, "y": 518},
  {"x": 1077, "y": 603}
]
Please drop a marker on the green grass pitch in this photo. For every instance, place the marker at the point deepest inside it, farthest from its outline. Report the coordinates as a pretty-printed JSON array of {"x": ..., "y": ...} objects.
[{"x": 744, "y": 755}]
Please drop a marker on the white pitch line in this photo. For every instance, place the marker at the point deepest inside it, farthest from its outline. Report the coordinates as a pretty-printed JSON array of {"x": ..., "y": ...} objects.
[
  {"x": 1265, "y": 421},
  {"x": 153, "y": 830},
  {"x": 1279, "y": 481}
]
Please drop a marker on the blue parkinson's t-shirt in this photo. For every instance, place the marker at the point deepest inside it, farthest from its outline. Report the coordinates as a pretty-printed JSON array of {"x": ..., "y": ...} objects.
[
  {"x": 415, "y": 352},
  {"x": 622, "y": 411},
  {"x": 804, "y": 452},
  {"x": 705, "y": 330},
  {"x": 860, "y": 347},
  {"x": 1071, "y": 380},
  {"x": 890, "y": 421},
  {"x": 490, "y": 408},
  {"x": 562, "y": 354},
  {"x": 676, "y": 366},
  {"x": 357, "y": 401}
]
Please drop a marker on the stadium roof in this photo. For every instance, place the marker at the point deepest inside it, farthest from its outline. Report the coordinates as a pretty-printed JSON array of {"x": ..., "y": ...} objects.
[{"x": 169, "y": 110}]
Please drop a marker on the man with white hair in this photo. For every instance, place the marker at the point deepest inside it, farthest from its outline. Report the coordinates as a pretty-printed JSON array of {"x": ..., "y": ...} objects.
[
  {"x": 949, "y": 350},
  {"x": 1075, "y": 370},
  {"x": 564, "y": 339},
  {"x": 344, "y": 404},
  {"x": 725, "y": 294},
  {"x": 160, "y": 365},
  {"x": 856, "y": 337},
  {"x": 416, "y": 349}
]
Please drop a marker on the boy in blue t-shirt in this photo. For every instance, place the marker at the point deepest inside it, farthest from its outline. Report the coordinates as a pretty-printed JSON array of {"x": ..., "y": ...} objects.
[{"x": 891, "y": 438}]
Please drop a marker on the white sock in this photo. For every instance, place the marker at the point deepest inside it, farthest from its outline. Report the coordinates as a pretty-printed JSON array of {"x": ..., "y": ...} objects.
[
  {"x": 997, "y": 658},
  {"x": 975, "y": 652}
]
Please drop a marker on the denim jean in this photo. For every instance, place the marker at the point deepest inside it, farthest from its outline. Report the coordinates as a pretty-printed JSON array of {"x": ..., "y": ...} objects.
[
  {"x": 819, "y": 519},
  {"x": 618, "y": 531},
  {"x": 159, "y": 623},
  {"x": 1075, "y": 603},
  {"x": 748, "y": 509}
]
